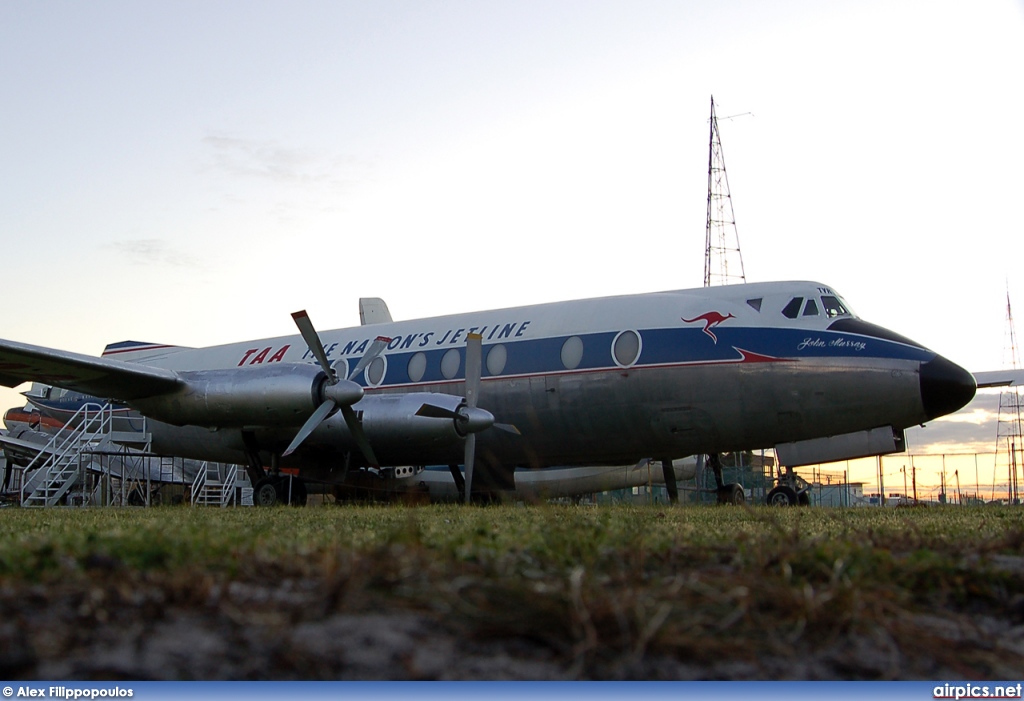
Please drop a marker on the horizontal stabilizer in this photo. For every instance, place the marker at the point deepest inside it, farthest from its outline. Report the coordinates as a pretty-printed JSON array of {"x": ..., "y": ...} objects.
[
  {"x": 135, "y": 351},
  {"x": 999, "y": 378}
]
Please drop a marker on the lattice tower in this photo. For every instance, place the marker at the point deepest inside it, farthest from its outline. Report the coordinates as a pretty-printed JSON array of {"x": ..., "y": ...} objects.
[
  {"x": 1008, "y": 427},
  {"x": 723, "y": 262}
]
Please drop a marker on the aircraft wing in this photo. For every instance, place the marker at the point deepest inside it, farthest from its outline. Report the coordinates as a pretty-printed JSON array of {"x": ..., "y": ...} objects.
[
  {"x": 999, "y": 378},
  {"x": 101, "y": 377}
]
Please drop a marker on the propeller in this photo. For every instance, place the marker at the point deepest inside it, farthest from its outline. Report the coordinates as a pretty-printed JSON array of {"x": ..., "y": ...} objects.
[
  {"x": 469, "y": 418},
  {"x": 474, "y": 363},
  {"x": 337, "y": 393}
]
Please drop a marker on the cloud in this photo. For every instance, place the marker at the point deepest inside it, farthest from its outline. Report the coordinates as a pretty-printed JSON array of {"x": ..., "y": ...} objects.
[
  {"x": 253, "y": 158},
  {"x": 973, "y": 429},
  {"x": 154, "y": 252}
]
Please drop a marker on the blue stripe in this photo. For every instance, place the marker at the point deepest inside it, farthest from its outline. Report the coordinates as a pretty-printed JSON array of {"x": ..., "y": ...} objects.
[{"x": 675, "y": 346}]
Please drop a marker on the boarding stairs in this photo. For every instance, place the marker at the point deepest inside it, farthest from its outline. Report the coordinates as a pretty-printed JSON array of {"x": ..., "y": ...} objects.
[
  {"x": 214, "y": 485},
  {"x": 65, "y": 460}
]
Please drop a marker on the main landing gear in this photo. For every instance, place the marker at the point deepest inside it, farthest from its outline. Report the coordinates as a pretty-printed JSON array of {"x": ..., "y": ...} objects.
[
  {"x": 727, "y": 493},
  {"x": 279, "y": 489},
  {"x": 791, "y": 490},
  {"x": 275, "y": 488}
]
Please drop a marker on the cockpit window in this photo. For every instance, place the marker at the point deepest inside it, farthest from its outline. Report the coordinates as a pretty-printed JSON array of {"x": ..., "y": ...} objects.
[
  {"x": 755, "y": 303},
  {"x": 833, "y": 307},
  {"x": 791, "y": 310},
  {"x": 811, "y": 309}
]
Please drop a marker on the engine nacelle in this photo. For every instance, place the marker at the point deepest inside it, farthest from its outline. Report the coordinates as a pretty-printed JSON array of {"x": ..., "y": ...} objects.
[
  {"x": 270, "y": 395},
  {"x": 398, "y": 431},
  {"x": 392, "y": 419}
]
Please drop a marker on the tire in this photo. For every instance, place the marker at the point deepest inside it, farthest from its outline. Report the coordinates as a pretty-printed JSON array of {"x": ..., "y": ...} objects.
[
  {"x": 265, "y": 493},
  {"x": 782, "y": 496},
  {"x": 803, "y": 499},
  {"x": 732, "y": 494}
]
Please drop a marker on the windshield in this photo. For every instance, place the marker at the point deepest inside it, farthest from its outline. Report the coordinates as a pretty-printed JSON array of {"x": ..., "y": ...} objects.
[{"x": 834, "y": 307}]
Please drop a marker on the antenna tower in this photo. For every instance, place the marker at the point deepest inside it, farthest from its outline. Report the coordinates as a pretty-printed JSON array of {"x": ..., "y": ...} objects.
[
  {"x": 723, "y": 262},
  {"x": 1008, "y": 428}
]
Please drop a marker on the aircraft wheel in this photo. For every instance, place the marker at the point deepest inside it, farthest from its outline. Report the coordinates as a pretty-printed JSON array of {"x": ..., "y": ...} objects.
[
  {"x": 782, "y": 496},
  {"x": 264, "y": 493},
  {"x": 732, "y": 494},
  {"x": 803, "y": 499}
]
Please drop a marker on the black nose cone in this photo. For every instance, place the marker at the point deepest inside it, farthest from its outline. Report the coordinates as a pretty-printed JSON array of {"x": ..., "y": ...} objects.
[{"x": 945, "y": 387}]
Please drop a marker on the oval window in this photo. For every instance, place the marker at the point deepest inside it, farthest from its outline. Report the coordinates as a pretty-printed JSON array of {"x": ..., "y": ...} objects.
[
  {"x": 340, "y": 368},
  {"x": 496, "y": 358},
  {"x": 376, "y": 371},
  {"x": 450, "y": 363},
  {"x": 417, "y": 367},
  {"x": 572, "y": 352},
  {"x": 626, "y": 348}
]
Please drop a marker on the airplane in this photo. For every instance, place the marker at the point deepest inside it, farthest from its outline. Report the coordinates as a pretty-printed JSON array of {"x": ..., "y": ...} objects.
[{"x": 605, "y": 381}]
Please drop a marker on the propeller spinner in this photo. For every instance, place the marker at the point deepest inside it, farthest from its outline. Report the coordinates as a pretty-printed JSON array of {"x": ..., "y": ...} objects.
[{"x": 336, "y": 393}]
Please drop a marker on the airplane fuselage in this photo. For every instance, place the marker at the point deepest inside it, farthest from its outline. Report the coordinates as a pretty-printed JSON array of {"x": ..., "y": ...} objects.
[{"x": 603, "y": 381}]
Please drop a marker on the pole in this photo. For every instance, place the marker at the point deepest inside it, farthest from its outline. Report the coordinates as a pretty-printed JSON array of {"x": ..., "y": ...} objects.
[
  {"x": 881, "y": 482},
  {"x": 913, "y": 478},
  {"x": 977, "y": 485},
  {"x": 944, "y": 499}
]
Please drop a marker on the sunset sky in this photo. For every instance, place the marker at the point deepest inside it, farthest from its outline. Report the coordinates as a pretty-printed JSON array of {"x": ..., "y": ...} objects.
[{"x": 193, "y": 172}]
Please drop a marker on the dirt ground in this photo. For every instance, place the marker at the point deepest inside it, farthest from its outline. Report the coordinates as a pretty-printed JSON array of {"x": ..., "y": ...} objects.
[{"x": 111, "y": 625}]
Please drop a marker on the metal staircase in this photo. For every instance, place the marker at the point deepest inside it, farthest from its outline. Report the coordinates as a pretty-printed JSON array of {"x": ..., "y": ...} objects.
[
  {"x": 214, "y": 485},
  {"x": 65, "y": 461}
]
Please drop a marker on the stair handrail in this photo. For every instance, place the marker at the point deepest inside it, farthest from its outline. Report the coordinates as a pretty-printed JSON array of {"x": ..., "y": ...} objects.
[
  {"x": 227, "y": 495},
  {"x": 199, "y": 483},
  {"x": 90, "y": 421}
]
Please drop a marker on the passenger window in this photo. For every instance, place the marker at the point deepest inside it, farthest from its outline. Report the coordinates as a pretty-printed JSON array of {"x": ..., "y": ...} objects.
[
  {"x": 793, "y": 308},
  {"x": 811, "y": 309},
  {"x": 833, "y": 307}
]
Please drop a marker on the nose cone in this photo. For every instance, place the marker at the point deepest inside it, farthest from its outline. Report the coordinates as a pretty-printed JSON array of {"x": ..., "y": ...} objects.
[{"x": 945, "y": 387}]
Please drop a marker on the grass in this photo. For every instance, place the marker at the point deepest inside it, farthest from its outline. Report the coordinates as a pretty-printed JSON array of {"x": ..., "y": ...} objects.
[{"x": 609, "y": 592}]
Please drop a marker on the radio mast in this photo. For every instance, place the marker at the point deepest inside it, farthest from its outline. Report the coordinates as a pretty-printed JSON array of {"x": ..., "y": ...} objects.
[
  {"x": 1008, "y": 428},
  {"x": 723, "y": 262}
]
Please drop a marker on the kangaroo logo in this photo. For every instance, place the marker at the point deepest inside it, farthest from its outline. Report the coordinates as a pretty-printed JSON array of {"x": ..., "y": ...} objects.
[{"x": 711, "y": 320}]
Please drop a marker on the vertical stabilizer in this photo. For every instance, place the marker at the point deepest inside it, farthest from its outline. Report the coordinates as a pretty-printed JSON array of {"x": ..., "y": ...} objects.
[{"x": 373, "y": 310}]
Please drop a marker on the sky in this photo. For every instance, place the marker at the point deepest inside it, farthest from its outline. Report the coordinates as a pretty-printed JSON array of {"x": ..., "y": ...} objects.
[{"x": 193, "y": 172}]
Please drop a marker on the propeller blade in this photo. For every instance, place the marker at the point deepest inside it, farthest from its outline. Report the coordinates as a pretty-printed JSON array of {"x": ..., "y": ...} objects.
[
  {"x": 474, "y": 367},
  {"x": 375, "y": 349},
  {"x": 474, "y": 370},
  {"x": 356, "y": 429},
  {"x": 432, "y": 411},
  {"x": 311, "y": 423},
  {"x": 469, "y": 459},
  {"x": 508, "y": 428},
  {"x": 312, "y": 339}
]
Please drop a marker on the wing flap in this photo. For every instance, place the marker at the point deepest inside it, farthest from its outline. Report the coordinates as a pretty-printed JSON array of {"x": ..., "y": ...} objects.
[{"x": 101, "y": 377}]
